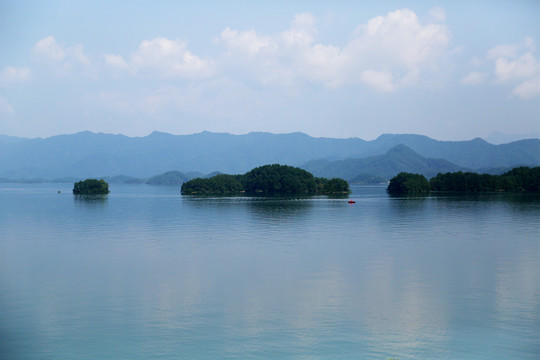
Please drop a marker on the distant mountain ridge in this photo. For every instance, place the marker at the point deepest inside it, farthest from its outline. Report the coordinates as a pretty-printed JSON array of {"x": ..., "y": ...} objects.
[
  {"x": 88, "y": 154},
  {"x": 498, "y": 138},
  {"x": 397, "y": 159}
]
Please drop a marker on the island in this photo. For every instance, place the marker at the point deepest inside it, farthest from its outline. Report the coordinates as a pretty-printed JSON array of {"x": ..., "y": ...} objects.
[
  {"x": 520, "y": 179},
  {"x": 407, "y": 183},
  {"x": 267, "y": 180},
  {"x": 91, "y": 187}
]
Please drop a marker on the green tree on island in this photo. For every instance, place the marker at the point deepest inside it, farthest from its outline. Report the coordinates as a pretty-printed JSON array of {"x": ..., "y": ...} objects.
[
  {"x": 91, "y": 187},
  {"x": 520, "y": 179},
  {"x": 336, "y": 186},
  {"x": 266, "y": 180},
  {"x": 221, "y": 184},
  {"x": 279, "y": 179},
  {"x": 407, "y": 183}
]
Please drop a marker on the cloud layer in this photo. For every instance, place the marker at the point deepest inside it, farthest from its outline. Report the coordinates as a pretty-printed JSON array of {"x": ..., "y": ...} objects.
[
  {"x": 65, "y": 61},
  {"x": 10, "y": 75},
  {"x": 382, "y": 69},
  {"x": 163, "y": 58},
  {"x": 386, "y": 53},
  {"x": 517, "y": 65}
]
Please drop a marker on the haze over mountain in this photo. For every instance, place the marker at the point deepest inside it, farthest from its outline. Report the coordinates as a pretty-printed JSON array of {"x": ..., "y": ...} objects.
[
  {"x": 498, "y": 138},
  {"x": 88, "y": 154},
  {"x": 397, "y": 159}
]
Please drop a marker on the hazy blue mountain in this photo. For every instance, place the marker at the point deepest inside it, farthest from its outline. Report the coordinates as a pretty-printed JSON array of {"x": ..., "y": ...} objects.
[
  {"x": 397, "y": 159},
  {"x": 4, "y": 139},
  {"x": 88, "y": 154},
  {"x": 473, "y": 154},
  {"x": 122, "y": 179},
  {"x": 498, "y": 138},
  {"x": 169, "y": 178},
  {"x": 212, "y": 174}
]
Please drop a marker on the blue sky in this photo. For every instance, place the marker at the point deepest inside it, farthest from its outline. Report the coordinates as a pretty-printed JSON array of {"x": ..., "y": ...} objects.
[{"x": 452, "y": 70}]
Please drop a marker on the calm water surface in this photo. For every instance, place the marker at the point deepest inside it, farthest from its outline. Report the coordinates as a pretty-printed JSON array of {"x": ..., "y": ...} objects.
[{"x": 145, "y": 273}]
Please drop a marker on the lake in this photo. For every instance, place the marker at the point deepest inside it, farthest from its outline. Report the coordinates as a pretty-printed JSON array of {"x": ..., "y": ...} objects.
[{"x": 146, "y": 273}]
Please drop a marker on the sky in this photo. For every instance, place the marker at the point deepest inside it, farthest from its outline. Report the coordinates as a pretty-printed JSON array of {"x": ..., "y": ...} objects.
[{"x": 451, "y": 70}]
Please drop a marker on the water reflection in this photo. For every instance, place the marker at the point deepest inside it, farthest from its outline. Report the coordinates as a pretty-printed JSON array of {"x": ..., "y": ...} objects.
[
  {"x": 520, "y": 198},
  {"x": 165, "y": 276},
  {"x": 259, "y": 207},
  {"x": 90, "y": 199},
  {"x": 409, "y": 196},
  {"x": 280, "y": 208}
]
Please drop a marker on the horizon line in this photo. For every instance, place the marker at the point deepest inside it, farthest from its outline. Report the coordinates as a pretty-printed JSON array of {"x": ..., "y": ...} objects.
[{"x": 526, "y": 136}]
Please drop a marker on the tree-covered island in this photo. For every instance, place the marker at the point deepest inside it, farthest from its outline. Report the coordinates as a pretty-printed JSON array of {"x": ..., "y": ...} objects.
[
  {"x": 520, "y": 179},
  {"x": 91, "y": 187},
  {"x": 267, "y": 180},
  {"x": 407, "y": 183}
]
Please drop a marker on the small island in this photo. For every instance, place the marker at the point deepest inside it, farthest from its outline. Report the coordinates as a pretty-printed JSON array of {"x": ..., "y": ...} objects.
[
  {"x": 520, "y": 179},
  {"x": 407, "y": 183},
  {"x": 91, "y": 187},
  {"x": 267, "y": 180}
]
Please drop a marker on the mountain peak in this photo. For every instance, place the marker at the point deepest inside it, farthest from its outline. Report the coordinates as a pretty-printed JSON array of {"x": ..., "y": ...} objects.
[
  {"x": 479, "y": 140},
  {"x": 158, "y": 133},
  {"x": 402, "y": 150}
]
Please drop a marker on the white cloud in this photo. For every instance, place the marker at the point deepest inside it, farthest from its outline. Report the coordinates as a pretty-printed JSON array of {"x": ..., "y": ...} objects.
[
  {"x": 247, "y": 42},
  {"x": 399, "y": 41},
  {"x": 529, "y": 89},
  {"x": 517, "y": 64},
  {"x": 5, "y": 106},
  {"x": 302, "y": 31},
  {"x": 284, "y": 58},
  {"x": 165, "y": 58},
  {"x": 65, "y": 60},
  {"x": 386, "y": 53},
  {"x": 502, "y": 51},
  {"x": 400, "y": 44},
  {"x": 473, "y": 78},
  {"x": 10, "y": 75},
  {"x": 48, "y": 48},
  {"x": 116, "y": 61},
  {"x": 525, "y": 66}
]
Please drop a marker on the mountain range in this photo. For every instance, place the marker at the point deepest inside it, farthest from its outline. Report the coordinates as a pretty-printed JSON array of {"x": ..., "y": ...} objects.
[
  {"x": 88, "y": 154},
  {"x": 382, "y": 167}
]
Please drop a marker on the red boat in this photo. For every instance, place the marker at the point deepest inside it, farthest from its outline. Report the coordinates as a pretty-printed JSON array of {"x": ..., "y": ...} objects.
[{"x": 352, "y": 201}]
